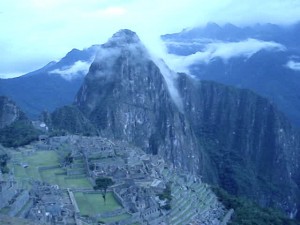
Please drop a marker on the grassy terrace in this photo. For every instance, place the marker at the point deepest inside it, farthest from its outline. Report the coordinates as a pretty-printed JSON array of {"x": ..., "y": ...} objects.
[
  {"x": 92, "y": 204},
  {"x": 28, "y": 167},
  {"x": 53, "y": 176},
  {"x": 58, "y": 176},
  {"x": 116, "y": 218}
]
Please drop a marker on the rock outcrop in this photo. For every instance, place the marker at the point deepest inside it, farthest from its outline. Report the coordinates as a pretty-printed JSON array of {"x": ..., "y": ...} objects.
[
  {"x": 231, "y": 137},
  {"x": 15, "y": 128},
  {"x": 9, "y": 112}
]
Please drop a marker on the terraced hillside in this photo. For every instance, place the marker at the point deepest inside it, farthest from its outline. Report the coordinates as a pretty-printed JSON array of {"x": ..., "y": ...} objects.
[{"x": 61, "y": 172}]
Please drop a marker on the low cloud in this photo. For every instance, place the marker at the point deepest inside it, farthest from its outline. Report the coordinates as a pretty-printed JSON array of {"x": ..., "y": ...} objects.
[
  {"x": 223, "y": 50},
  {"x": 293, "y": 65},
  {"x": 107, "y": 57},
  {"x": 170, "y": 78},
  {"x": 79, "y": 68},
  {"x": 136, "y": 52}
]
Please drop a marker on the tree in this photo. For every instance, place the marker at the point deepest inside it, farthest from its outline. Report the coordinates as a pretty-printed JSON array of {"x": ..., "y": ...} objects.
[
  {"x": 69, "y": 159},
  {"x": 3, "y": 163},
  {"x": 166, "y": 195},
  {"x": 102, "y": 184},
  {"x": 19, "y": 133}
]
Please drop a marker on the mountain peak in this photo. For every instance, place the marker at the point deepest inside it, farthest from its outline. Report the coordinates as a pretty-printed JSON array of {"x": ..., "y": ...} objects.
[{"x": 122, "y": 38}]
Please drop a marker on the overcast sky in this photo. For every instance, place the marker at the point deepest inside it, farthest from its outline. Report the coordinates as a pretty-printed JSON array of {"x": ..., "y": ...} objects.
[{"x": 35, "y": 32}]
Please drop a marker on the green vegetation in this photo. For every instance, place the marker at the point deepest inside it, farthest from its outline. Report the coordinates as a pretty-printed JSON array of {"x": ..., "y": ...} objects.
[
  {"x": 43, "y": 158},
  {"x": 29, "y": 165},
  {"x": 56, "y": 175},
  {"x": 166, "y": 195},
  {"x": 91, "y": 204},
  {"x": 70, "y": 119},
  {"x": 249, "y": 213},
  {"x": 115, "y": 218},
  {"x": 18, "y": 134},
  {"x": 68, "y": 159},
  {"x": 102, "y": 184},
  {"x": 3, "y": 162}
]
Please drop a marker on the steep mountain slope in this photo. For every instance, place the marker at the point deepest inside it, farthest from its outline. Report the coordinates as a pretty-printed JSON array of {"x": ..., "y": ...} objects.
[
  {"x": 231, "y": 137},
  {"x": 50, "y": 87},
  {"x": 263, "y": 58},
  {"x": 253, "y": 148},
  {"x": 126, "y": 97},
  {"x": 9, "y": 112},
  {"x": 15, "y": 128},
  {"x": 70, "y": 118}
]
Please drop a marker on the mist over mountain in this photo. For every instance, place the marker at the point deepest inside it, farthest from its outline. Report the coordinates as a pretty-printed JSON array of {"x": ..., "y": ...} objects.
[
  {"x": 264, "y": 58},
  {"x": 52, "y": 86},
  {"x": 231, "y": 137}
]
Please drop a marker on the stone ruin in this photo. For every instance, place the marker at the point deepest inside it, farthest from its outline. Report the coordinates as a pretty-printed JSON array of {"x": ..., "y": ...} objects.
[
  {"x": 51, "y": 205},
  {"x": 139, "y": 182}
]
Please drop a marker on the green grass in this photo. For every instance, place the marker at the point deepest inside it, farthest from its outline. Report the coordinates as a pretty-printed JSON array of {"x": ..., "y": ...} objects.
[
  {"x": 78, "y": 183},
  {"x": 116, "y": 218},
  {"x": 40, "y": 158},
  {"x": 53, "y": 176},
  {"x": 92, "y": 204},
  {"x": 43, "y": 158},
  {"x": 58, "y": 176},
  {"x": 20, "y": 171},
  {"x": 26, "y": 173}
]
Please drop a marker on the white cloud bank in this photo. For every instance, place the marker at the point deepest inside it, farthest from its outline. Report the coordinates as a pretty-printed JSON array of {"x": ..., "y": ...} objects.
[
  {"x": 79, "y": 68},
  {"x": 223, "y": 50},
  {"x": 293, "y": 65}
]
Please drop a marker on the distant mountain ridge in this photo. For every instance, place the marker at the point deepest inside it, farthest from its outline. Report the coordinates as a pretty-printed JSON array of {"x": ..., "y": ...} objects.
[
  {"x": 267, "y": 71},
  {"x": 286, "y": 35},
  {"x": 52, "y": 86}
]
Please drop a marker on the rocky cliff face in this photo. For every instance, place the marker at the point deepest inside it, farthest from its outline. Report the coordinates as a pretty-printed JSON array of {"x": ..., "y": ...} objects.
[
  {"x": 254, "y": 150},
  {"x": 9, "y": 112},
  {"x": 126, "y": 97},
  {"x": 231, "y": 137}
]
